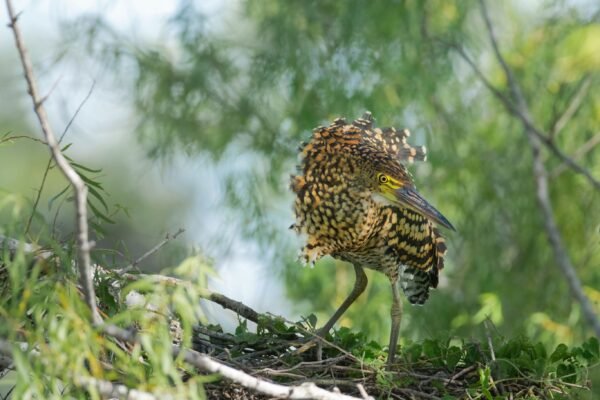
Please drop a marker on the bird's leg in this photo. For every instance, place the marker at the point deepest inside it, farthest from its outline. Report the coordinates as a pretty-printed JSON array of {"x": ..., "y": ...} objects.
[
  {"x": 359, "y": 286},
  {"x": 396, "y": 313}
]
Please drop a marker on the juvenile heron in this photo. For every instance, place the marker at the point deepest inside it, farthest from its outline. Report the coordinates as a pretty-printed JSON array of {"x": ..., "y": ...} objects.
[{"x": 356, "y": 201}]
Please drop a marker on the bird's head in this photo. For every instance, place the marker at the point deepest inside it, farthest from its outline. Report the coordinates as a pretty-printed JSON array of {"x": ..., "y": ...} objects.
[
  {"x": 367, "y": 159},
  {"x": 390, "y": 182}
]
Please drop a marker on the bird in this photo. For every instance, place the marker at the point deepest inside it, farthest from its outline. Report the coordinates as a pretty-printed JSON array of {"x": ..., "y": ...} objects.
[{"x": 356, "y": 201}]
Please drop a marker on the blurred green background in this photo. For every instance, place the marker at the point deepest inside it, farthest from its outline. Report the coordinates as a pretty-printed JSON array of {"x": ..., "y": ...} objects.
[{"x": 198, "y": 108}]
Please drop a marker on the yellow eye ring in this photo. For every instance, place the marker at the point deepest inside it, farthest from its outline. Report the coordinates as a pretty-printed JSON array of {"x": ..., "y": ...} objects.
[{"x": 383, "y": 178}]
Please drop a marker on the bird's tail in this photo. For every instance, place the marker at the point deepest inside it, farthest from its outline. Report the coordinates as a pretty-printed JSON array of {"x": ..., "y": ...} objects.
[{"x": 416, "y": 282}]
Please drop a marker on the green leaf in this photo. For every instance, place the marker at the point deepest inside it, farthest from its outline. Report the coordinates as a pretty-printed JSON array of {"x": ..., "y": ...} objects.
[
  {"x": 540, "y": 351},
  {"x": 431, "y": 348},
  {"x": 560, "y": 353},
  {"x": 593, "y": 348},
  {"x": 99, "y": 214},
  {"x": 484, "y": 382},
  {"x": 453, "y": 357},
  {"x": 472, "y": 353},
  {"x": 566, "y": 372},
  {"x": 413, "y": 352},
  {"x": 83, "y": 167},
  {"x": 98, "y": 196},
  {"x": 312, "y": 320},
  {"x": 57, "y": 196},
  {"x": 90, "y": 181}
]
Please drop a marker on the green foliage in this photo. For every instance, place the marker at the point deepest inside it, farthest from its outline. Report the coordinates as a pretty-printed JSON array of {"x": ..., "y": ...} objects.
[
  {"x": 251, "y": 92},
  {"x": 497, "y": 368},
  {"x": 42, "y": 310},
  {"x": 244, "y": 94}
]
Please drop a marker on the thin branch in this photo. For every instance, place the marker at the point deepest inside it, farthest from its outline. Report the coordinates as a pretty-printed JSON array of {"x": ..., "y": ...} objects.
[
  {"x": 62, "y": 136},
  {"x": 526, "y": 120},
  {"x": 83, "y": 244},
  {"x": 460, "y": 373},
  {"x": 578, "y": 154},
  {"x": 535, "y": 138},
  {"x": 239, "y": 308},
  {"x": 150, "y": 252},
  {"x": 571, "y": 108},
  {"x": 11, "y": 138}
]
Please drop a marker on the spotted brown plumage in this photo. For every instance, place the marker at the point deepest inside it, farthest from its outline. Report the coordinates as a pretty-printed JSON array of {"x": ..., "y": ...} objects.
[{"x": 356, "y": 201}]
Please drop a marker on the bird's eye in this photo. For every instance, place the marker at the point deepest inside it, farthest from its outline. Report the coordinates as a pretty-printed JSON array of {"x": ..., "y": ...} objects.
[{"x": 383, "y": 178}]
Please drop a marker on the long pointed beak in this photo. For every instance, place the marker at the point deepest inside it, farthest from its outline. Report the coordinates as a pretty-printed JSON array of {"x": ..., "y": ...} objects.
[{"x": 410, "y": 198}]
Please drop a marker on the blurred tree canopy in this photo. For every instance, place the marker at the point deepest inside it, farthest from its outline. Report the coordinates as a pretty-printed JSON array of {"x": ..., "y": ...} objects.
[{"x": 247, "y": 88}]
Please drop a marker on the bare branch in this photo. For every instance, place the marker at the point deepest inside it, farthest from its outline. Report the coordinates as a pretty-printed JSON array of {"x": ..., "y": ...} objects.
[
  {"x": 535, "y": 138},
  {"x": 571, "y": 108},
  {"x": 579, "y": 153},
  {"x": 238, "y": 307},
  {"x": 40, "y": 190},
  {"x": 79, "y": 187},
  {"x": 363, "y": 392},
  {"x": 153, "y": 250}
]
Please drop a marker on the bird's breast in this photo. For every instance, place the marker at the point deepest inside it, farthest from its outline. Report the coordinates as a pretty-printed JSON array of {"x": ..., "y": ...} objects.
[{"x": 338, "y": 219}]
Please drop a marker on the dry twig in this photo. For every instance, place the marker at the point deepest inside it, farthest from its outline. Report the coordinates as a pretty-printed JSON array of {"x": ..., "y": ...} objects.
[
  {"x": 150, "y": 252},
  {"x": 79, "y": 187}
]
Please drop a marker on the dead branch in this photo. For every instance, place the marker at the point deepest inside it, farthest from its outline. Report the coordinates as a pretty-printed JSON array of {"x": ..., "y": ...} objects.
[
  {"x": 153, "y": 250},
  {"x": 536, "y": 139},
  {"x": 208, "y": 364},
  {"x": 363, "y": 392},
  {"x": 239, "y": 308},
  {"x": 79, "y": 187}
]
